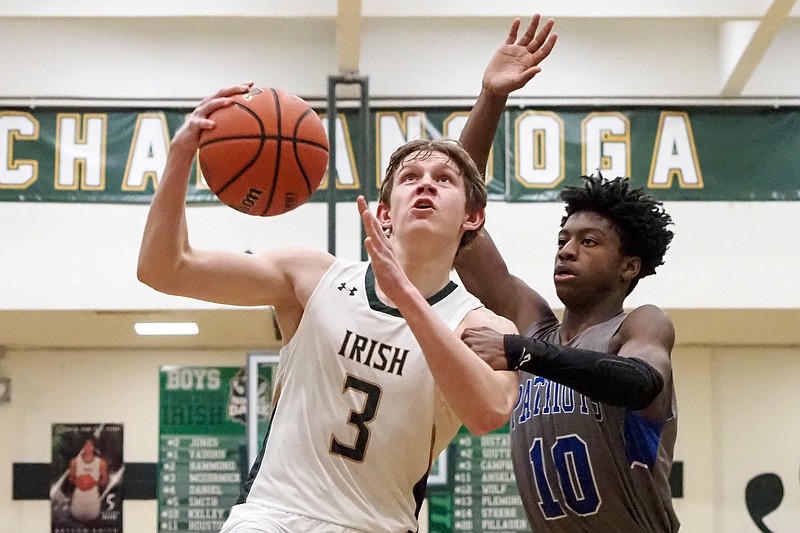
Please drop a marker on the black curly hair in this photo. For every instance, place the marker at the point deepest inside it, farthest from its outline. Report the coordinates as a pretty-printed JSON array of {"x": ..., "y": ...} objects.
[{"x": 639, "y": 218}]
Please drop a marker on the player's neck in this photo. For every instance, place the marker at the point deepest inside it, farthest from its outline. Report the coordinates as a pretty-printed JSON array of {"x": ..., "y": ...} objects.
[
  {"x": 427, "y": 269},
  {"x": 578, "y": 319}
]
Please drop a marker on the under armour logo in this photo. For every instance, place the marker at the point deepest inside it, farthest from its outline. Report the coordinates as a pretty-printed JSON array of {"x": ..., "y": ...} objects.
[{"x": 344, "y": 287}]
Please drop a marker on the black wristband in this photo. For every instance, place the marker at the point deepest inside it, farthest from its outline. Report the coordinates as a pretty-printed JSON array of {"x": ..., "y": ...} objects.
[{"x": 514, "y": 347}]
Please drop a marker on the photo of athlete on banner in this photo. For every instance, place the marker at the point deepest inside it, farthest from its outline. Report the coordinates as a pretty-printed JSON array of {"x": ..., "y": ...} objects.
[{"x": 87, "y": 473}]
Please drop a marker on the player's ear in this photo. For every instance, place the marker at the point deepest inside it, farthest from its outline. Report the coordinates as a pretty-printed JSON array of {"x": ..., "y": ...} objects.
[
  {"x": 631, "y": 265},
  {"x": 382, "y": 213},
  {"x": 474, "y": 220}
]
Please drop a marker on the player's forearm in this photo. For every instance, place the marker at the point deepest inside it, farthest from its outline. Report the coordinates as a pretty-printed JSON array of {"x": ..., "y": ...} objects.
[
  {"x": 474, "y": 391},
  {"x": 166, "y": 237},
  {"x": 621, "y": 381},
  {"x": 479, "y": 131}
]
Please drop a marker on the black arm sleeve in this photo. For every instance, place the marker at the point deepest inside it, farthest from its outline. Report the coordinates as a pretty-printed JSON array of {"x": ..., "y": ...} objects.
[{"x": 620, "y": 381}]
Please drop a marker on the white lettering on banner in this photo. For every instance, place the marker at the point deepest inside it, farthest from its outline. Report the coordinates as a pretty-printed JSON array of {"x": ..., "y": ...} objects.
[
  {"x": 17, "y": 173},
  {"x": 203, "y": 501},
  {"x": 204, "y": 442},
  {"x": 606, "y": 145},
  {"x": 393, "y": 130},
  {"x": 193, "y": 379},
  {"x": 454, "y": 124},
  {"x": 537, "y": 138},
  {"x": 675, "y": 154},
  {"x": 346, "y": 169},
  {"x": 539, "y": 149},
  {"x": 206, "y": 489},
  {"x": 148, "y": 153},
  {"x": 80, "y": 151},
  {"x": 213, "y": 525},
  {"x": 207, "y": 454},
  {"x": 213, "y": 465}
]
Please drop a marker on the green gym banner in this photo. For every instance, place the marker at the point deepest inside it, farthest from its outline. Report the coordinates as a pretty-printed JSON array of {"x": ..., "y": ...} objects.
[
  {"x": 202, "y": 456},
  {"x": 725, "y": 153}
]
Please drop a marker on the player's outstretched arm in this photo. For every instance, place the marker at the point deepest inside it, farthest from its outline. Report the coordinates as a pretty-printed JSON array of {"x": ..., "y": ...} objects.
[
  {"x": 169, "y": 264},
  {"x": 514, "y": 64},
  {"x": 485, "y": 274},
  {"x": 634, "y": 374},
  {"x": 480, "y": 397}
]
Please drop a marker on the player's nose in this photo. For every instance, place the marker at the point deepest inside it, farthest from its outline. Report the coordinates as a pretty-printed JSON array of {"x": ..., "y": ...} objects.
[
  {"x": 568, "y": 250},
  {"x": 427, "y": 184}
]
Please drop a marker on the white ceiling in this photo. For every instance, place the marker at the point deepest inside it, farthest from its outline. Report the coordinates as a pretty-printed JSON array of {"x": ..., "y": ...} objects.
[
  {"x": 607, "y": 48},
  {"x": 747, "y": 30}
]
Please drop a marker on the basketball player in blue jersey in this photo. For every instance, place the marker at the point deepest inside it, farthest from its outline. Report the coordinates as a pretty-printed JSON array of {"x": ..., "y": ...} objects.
[
  {"x": 373, "y": 380},
  {"x": 592, "y": 434}
]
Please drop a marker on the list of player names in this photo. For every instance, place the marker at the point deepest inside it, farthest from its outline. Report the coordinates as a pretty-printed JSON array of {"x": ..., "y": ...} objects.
[
  {"x": 199, "y": 481},
  {"x": 485, "y": 495}
]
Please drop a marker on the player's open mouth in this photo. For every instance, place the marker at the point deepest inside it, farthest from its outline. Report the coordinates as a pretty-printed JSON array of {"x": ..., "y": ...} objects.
[{"x": 563, "y": 273}]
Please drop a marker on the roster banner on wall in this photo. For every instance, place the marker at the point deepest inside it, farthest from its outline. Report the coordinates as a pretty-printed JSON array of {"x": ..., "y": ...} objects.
[
  {"x": 694, "y": 153},
  {"x": 480, "y": 492},
  {"x": 87, "y": 465},
  {"x": 202, "y": 456}
]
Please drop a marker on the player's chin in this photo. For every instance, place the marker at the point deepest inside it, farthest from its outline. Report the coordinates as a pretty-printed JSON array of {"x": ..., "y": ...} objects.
[
  {"x": 569, "y": 291},
  {"x": 421, "y": 220}
]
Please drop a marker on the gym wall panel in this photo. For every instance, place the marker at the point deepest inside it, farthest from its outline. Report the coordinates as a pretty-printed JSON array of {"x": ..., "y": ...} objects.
[
  {"x": 92, "y": 386},
  {"x": 692, "y": 366},
  {"x": 756, "y": 430},
  {"x": 78, "y": 256}
]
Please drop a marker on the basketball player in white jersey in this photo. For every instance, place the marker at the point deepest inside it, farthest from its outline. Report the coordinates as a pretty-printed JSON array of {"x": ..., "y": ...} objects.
[
  {"x": 89, "y": 474},
  {"x": 374, "y": 380},
  {"x": 592, "y": 435}
]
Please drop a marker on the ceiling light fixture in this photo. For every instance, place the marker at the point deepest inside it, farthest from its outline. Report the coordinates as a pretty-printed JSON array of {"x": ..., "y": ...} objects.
[{"x": 166, "y": 328}]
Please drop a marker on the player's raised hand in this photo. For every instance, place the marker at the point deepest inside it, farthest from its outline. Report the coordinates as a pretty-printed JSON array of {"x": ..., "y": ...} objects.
[
  {"x": 516, "y": 62},
  {"x": 388, "y": 271},
  {"x": 196, "y": 121}
]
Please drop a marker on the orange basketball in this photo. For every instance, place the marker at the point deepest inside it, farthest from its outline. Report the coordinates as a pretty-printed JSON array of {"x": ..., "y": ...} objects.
[
  {"x": 85, "y": 482},
  {"x": 267, "y": 153}
]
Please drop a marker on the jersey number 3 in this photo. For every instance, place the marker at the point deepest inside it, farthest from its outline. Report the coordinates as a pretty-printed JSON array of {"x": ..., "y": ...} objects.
[{"x": 359, "y": 419}]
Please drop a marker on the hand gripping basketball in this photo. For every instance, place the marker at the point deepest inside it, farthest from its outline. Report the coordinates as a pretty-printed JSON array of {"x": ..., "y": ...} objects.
[{"x": 266, "y": 154}]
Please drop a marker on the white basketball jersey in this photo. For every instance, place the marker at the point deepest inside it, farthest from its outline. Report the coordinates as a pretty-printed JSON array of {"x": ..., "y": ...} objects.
[
  {"x": 92, "y": 468},
  {"x": 358, "y": 419},
  {"x": 85, "y": 504}
]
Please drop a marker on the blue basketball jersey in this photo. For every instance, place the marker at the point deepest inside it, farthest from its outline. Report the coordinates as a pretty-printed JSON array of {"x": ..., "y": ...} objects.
[{"x": 586, "y": 466}]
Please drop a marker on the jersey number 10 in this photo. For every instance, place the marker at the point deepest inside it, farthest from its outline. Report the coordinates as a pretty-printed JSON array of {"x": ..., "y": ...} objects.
[{"x": 575, "y": 477}]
